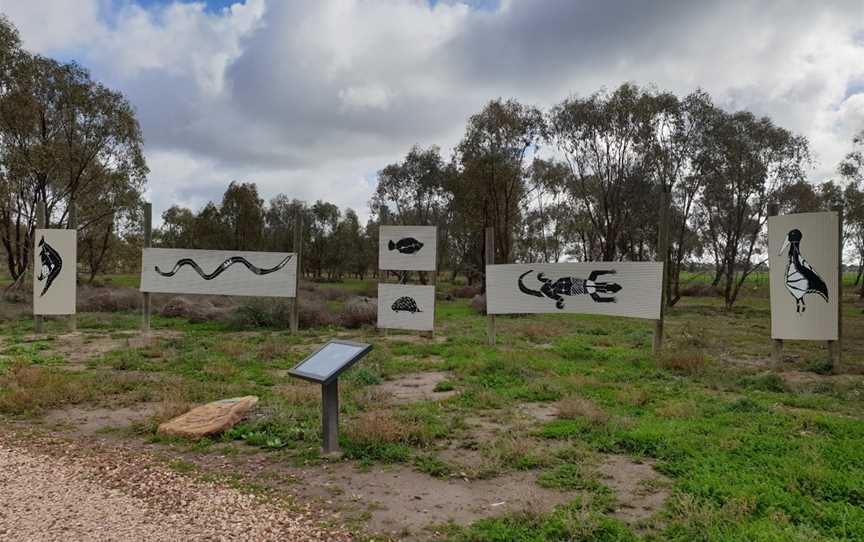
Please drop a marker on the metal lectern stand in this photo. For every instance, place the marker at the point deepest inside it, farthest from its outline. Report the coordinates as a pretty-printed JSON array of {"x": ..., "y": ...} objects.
[
  {"x": 324, "y": 367},
  {"x": 330, "y": 418}
]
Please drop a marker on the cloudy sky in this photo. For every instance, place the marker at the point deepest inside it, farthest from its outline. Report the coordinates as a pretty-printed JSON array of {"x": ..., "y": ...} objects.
[{"x": 311, "y": 98}]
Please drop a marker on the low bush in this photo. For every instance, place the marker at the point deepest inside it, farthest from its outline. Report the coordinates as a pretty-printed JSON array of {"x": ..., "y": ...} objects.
[
  {"x": 684, "y": 362},
  {"x": 478, "y": 303},
  {"x": 572, "y": 408},
  {"x": 113, "y": 299},
  {"x": 199, "y": 310},
  {"x": 359, "y": 311},
  {"x": 465, "y": 292}
]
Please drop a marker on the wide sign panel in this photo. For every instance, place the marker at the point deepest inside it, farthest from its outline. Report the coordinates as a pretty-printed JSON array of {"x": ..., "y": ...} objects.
[
  {"x": 54, "y": 272},
  {"x": 804, "y": 261},
  {"x": 405, "y": 306},
  {"x": 407, "y": 248},
  {"x": 219, "y": 272},
  {"x": 613, "y": 288}
]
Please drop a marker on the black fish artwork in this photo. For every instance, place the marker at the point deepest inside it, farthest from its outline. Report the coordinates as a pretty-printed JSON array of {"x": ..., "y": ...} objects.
[
  {"x": 406, "y": 304},
  {"x": 570, "y": 286},
  {"x": 408, "y": 245},
  {"x": 222, "y": 267},
  {"x": 52, "y": 263}
]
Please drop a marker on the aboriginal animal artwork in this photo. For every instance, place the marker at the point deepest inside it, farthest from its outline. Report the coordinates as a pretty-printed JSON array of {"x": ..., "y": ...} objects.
[
  {"x": 52, "y": 263},
  {"x": 570, "y": 286},
  {"x": 408, "y": 245},
  {"x": 222, "y": 267},
  {"x": 406, "y": 304},
  {"x": 801, "y": 278}
]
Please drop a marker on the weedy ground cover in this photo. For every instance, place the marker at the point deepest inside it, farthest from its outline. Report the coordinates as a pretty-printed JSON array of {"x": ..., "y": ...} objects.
[{"x": 745, "y": 452}]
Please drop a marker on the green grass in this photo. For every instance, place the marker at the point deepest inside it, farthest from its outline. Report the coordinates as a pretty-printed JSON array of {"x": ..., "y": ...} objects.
[{"x": 750, "y": 455}]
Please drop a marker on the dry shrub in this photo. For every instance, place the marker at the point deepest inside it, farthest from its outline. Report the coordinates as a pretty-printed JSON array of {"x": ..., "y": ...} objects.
[
  {"x": 29, "y": 388},
  {"x": 273, "y": 350},
  {"x": 572, "y": 408},
  {"x": 200, "y": 310},
  {"x": 108, "y": 299},
  {"x": 465, "y": 292},
  {"x": 13, "y": 311},
  {"x": 314, "y": 312},
  {"x": 634, "y": 396},
  {"x": 359, "y": 311},
  {"x": 699, "y": 289},
  {"x": 686, "y": 362},
  {"x": 478, "y": 303},
  {"x": 332, "y": 294},
  {"x": 381, "y": 427}
]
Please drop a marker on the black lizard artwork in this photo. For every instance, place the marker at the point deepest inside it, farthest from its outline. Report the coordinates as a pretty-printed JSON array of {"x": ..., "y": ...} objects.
[
  {"x": 570, "y": 286},
  {"x": 408, "y": 245},
  {"x": 52, "y": 263},
  {"x": 407, "y": 304},
  {"x": 222, "y": 267}
]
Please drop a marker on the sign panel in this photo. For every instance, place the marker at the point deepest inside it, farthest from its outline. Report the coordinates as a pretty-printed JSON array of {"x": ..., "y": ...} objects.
[
  {"x": 54, "y": 271},
  {"x": 219, "y": 272},
  {"x": 804, "y": 261},
  {"x": 614, "y": 288},
  {"x": 329, "y": 361},
  {"x": 407, "y": 248},
  {"x": 405, "y": 306}
]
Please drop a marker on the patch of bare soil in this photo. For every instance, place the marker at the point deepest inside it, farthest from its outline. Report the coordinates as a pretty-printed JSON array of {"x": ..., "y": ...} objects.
[
  {"x": 77, "y": 348},
  {"x": 399, "y": 498},
  {"x": 87, "y": 421},
  {"x": 639, "y": 489},
  {"x": 414, "y": 387},
  {"x": 545, "y": 412}
]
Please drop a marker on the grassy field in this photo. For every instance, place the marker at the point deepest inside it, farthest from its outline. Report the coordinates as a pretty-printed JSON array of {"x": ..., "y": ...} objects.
[{"x": 741, "y": 451}]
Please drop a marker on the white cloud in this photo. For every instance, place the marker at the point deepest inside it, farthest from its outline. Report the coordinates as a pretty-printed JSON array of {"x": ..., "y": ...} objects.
[{"x": 308, "y": 98}]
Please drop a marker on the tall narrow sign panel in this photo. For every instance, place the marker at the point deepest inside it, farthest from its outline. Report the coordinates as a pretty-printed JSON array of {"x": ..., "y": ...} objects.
[
  {"x": 406, "y": 306},
  {"x": 613, "y": 288},
  {"x": 407, "y": 248},
  {"x": 219, "y": 272},
  {"x": 804, "y": 260},
  {"x": 54, "y": 277}
]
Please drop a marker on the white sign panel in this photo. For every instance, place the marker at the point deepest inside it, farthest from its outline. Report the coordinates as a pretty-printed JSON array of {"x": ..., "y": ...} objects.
[
  {"x": 405, "y": 306},
  {"x": 54, "y": 277},
  {"x": 407, "y": 248},
  {"x": 219, "y": 272},
  {"x": 614, "y": 288},
  {"x": 804, "y": 260}
]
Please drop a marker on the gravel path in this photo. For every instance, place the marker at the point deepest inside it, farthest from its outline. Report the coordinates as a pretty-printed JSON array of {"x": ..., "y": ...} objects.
[{"x": 65, "y": 493}]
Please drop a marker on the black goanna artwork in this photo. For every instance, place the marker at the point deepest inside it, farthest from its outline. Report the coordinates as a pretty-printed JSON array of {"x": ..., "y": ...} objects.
[
  {"x": 801, "y": 278},
  {"x": 408, "y": 245},
  {"x": 52, "y": 263},
  {"x": 406, "y": 304},
  {"x": 223, "y": 266},
  {"x": 570, "y": 286}
]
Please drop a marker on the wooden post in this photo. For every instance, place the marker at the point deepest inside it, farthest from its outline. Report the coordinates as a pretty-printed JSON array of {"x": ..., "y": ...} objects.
[
  {"x": 663, "y": 252},
  {"x": 41, "y": 222},
  {"x": 777, "y": 350},
  {"x": 73, "y": 224},
  {"x": 490, "y": 260},
  {"x": 330, "y": 417},
  {"x": 834, "y": 347},
  {"x": 145, "y": 296},
  {"x": 294, "y": 321}
]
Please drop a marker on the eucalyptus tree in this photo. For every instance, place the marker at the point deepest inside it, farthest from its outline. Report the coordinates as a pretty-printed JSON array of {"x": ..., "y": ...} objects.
[
  {"x": 490, "y": 177},
  {"x": 63, "y": 136},
  {"x": 747, "y": 162},
  {"x": 603, "y": 139},
  {"x": 242, "y": 211}
]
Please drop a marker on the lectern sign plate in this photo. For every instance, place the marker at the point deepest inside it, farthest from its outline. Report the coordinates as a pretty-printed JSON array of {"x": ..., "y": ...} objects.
[{"x": 330, "y": 360}]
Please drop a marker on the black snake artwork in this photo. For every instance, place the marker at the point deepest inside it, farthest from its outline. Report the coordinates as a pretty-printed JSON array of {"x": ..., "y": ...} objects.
[
  {"x": 223, "y": 266},
  {"x": 569, "y": 286},
  {"x": 52, "y": 263}
]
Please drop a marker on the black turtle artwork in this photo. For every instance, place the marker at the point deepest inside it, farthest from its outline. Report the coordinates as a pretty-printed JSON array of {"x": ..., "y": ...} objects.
[
  {"x": 407, "y": 245},
  {"x": 222, "y": 267},
  {"x": 405, "y": 304},
  {"x": 801, "y": 278},
  {"x": 570, "y": 286},
  {"x": 52, "y": 263}
]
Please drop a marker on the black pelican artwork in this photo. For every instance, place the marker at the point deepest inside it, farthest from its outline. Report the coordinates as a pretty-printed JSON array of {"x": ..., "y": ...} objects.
[{"x": 801, "y": 278}]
